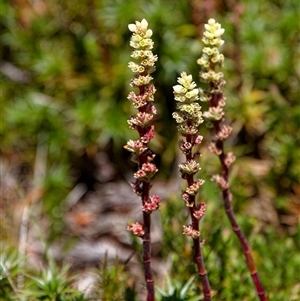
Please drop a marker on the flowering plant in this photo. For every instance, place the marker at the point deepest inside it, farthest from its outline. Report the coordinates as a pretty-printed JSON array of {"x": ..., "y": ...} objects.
[
  {"x": 188, "y": 117},
  {"x": 211, "y": 59},
  {"x": 142, "y": 122}
]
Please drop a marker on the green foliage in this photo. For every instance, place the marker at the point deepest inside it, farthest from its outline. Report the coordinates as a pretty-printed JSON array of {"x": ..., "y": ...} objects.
[
  {"x": 8, "y": 272},
  {"x": 53, "y": 284},
  {"x": 177, "y": 293},
  {"x": 114, "y": 283},
  {"x": 225, "y": 263}
]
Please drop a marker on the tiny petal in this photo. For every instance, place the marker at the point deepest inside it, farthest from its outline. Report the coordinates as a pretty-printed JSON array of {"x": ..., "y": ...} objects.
[
  {"x": 219, "y": 32},
  {"x": 144, "y": 24},
  {"x": 132, "y": 27},
  {"x": 211, "y": 22},
  {"x": 148, "y": 33},
  {"x": 192, "y": 93},
  {"x": 177, "y": 88}
]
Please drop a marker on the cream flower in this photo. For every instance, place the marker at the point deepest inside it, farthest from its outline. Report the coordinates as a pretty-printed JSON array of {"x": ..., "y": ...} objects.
[{"x": 139, "y": 26}]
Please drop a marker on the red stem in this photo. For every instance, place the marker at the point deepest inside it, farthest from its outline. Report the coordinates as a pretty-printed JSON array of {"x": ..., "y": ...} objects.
[
  {"x": 147, "y": 257},
  {"x": 198, "y": 256},
  {"x": 229, "y": 209},
  {"x": 198, "y": 259},
  {"x": 147, "y": 227}
]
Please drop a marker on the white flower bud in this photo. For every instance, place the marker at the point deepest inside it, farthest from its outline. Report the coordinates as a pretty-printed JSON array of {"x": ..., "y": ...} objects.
[
  {"x": 144, "y": 25},
  {"x": 132, "y": 27},
  {"x": 177, "y": 89}
]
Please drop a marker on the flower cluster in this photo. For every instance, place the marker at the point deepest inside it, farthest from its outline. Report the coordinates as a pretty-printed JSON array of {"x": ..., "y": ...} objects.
[
  {"x": 142, "y": 43},
  {"x": 142, "y": 121},
  {"x": 214, "y": 113},
  {"x": 224, "y": 132},
  {"x": 229, "y": 159},
  {"x": 222, "y": 183},
  {"x": 152, "y": 204},
  {"x": 147, "y": 171},
  {"x": 194, "y": 188},
  {"x": 137, "y": 229},
  {"x": 212, "y": 40},
  {"x": 198, "y": 213},
  {"x": 189, "y": 167},
  {"x": 214, "y": 149},
  {"x": 188, "y": 115},
  {"x": 189, "y": 231},
  {"x": 211, "y": 57},
  {"x": 136, "y": 147},
  {"x": 143, "y": 100}
]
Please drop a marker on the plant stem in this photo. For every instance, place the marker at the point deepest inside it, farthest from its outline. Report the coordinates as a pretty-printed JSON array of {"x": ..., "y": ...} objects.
[
  {"x": 198, "y": 259},
  {"x": 142, "y": 122},
  {"x": 147, "y": 244},
  {"x": 198, "y": 256},
  {"x": 229, "y": 209},
  {"x": 147, "y": 257},
  {"x": 147, "y": 227},
  {"x": 189, "y": 117}
]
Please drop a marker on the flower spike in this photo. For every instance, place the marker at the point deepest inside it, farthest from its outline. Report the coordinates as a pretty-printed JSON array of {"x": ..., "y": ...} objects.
[
  {"x": 210, "y": 60},
  {"x": 142, "y": 122},
  {"x": 188, "y": 117}
]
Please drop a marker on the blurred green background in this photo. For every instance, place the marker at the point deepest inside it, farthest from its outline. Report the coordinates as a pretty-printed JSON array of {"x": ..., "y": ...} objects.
[{"x": 64, "y": 86}]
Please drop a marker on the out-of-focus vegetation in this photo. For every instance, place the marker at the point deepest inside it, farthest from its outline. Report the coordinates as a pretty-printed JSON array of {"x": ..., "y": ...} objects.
[{"x": 64, "y": 86}]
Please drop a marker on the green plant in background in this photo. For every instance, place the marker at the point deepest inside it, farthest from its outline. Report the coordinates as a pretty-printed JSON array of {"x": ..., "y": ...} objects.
[
  {"x": 54, "y": 284},
  {"x": 176, "y": 292},
  {"x": 113, "y": 283},
  {"x": 73, "y": 99},
  {"x": 142, "y": 122},
  {"x": 189, "y": 117},
  {"x": 210, "y": 60},
  {"x": 9, "y": 262}
]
